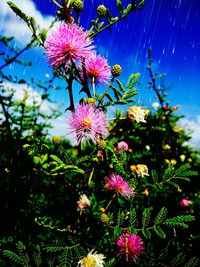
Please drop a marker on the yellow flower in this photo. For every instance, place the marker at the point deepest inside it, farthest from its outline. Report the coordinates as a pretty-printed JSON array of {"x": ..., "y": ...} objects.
[
  {"x": 145, "y": 192},
  {"x": 166, "y": 147},
  {"x": 137, "y": 113},
  {"x": 182, "y": 158},
  {"x": 173, "y": 161},
  {"x": 140, "y": 169},
  {"x": 92, "y": 260}
]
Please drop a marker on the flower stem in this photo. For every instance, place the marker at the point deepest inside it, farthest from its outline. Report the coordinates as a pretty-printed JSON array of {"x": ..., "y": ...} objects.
[{"x": 110, "y": 202}]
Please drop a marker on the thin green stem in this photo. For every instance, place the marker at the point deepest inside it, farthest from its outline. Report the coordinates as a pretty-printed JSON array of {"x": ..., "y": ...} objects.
[
  {"x": 55, "y": 2},
  {"x": 106, "y": 91},
  {"x": 110, "y": 202}
]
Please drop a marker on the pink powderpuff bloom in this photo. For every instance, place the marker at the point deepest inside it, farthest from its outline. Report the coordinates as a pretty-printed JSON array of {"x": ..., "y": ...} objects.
[
  {"x": 87, "y": 122},
  {"x": 122, "y": 146},
  {"x": 116, "y": 182},
  {"x": 130, "y": 245},
  {"x": 97, "y": 68},
  {"x": 67, "y": 43},
  {"x": 185, "y": 203}
]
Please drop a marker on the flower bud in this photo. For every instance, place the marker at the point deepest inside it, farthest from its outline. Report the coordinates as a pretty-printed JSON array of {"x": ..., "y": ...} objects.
[
  {"x": 102, "y": 144},
  {"x": 102, "y": 11},
  {"x": 78, "y": 5},
  {"x": 116, "y": 70},
  {"x": 56, "y": 139},
  {"x": 104, "y": 218}
]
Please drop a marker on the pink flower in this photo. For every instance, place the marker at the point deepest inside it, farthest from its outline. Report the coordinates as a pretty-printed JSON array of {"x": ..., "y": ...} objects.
[
  {"x": 122, "y": 146},
  {"x": 97, "y": 68},
  {"x": 67, "y": 43},
  {"x": 185, "y": 202},
  {"x": 131, "y": 245},
  {"x": 87, "y": 122},
  {"x": 116, "y": 182}
]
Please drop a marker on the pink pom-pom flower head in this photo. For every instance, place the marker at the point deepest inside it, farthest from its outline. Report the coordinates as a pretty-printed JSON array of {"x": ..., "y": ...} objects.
[
  {"x": 67, "y": 43},
  {"x": 130, "y": 245},
  {"x": 122, "y": 146},
  {"x": 97, "y": 69},
  {"x": 87, "y": 122},
  {"x": 185, "y": 202},
  {"x": 116, "y": 182}
]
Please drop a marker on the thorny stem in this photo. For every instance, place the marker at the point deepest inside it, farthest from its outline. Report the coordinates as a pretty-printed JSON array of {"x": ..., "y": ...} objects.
[
  {"x": 66, "y": 11},
  {"x": 93, "y": 89},
  {"x": 69, "y": 87},
  {"x": 154, "y": 80},
  {"x": 12, "y": 59}
]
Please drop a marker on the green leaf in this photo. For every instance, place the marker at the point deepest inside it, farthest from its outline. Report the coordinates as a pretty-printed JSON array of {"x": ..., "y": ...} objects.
[
  {"x": 18, "y": 11},
  {"x": 160, "y": 218},
  {"x": 133, "y": 79},
  {"x": 193, "y": 262},
  {"x": 127, "y": 10},
  {"x": 37, "y": 160},
  {"x": 33, "y": 24},
  {"x": 120, "y": 218},
  {"x": 140, "y": 4},
  {"x": 95, "y": 25},
  {"x": 146, "y": 216},
  {"x": 159, "y": 231},
  {"x": 119, "y": 6},
  {"x": 56, "y": 159},
  {"x": 12, "y": 256},
  {"x": 43, "y": 35},
  {"x": 179, "y": 221},
  {"x": 133, "y": 218},
  {"x": 120, "y": 85},
  {"x": 109, "y": 97},
  {"x": 146, "y": 233},
  {"x": 117, "y": 230}
]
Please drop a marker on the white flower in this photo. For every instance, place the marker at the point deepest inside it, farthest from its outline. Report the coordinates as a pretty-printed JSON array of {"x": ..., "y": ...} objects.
[
  {"x": 137, "y": 113},
  {"x": 92, "y": 260},
  {"x": 83, "y": 203},
  {"x": 155, "y": 105}
]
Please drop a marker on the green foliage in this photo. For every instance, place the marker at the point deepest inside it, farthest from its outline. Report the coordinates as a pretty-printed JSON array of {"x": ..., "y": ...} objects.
[
  {"x": 21, "y": 258},
  {"x": 179, "y": 221},
  {"x": 43, "y": 180}
]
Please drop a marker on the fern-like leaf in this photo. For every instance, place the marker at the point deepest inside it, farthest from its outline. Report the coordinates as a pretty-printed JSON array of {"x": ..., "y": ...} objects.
[
  {"x": 146, "y": 216},
  {"x": 160, "y": 218},
  {"x": 179, "y": 221},
  {"x": 193, "y": 262},
  {"x": 12, "y": 256},
  {"x": 180, "y": 258},
  {"x": 18, "y": 11},
  {"x": 120, "y": 218},
  {"x": 159, "y": 231},
  {"x": 111, "y": 263},
  {"x": 133, "y": 218}
]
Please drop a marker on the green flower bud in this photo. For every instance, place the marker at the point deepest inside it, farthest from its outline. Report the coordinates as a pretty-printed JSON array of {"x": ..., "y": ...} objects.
[
  {"x": 102, "y": 11},
  {"x": 56, "y": 139},
  {"x": 116, "y": 70},
  {"x": 78, "y": 5}
]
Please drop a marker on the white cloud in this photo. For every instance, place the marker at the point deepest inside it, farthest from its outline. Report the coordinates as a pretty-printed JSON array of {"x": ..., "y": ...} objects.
[
  {"x": 192, "y": 127},
  {"x": 59, "y": 124},
  {"x": 12, "y": 25}
]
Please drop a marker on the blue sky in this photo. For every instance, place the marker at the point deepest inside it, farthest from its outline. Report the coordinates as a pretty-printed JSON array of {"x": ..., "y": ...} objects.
[{"x": 170, "y": 28}]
